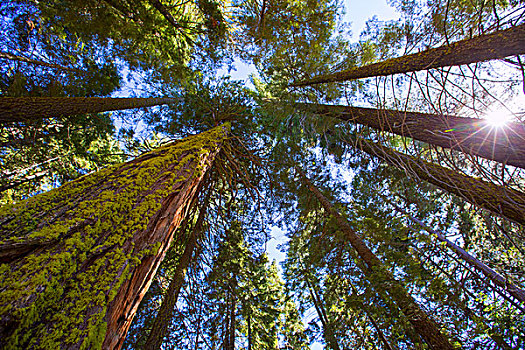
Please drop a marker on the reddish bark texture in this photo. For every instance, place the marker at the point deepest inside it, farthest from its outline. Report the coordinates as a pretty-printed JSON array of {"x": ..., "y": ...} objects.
[
  {"x": 164, "y": 316},
  {"x": 423, "y": 325},
  {"x": 21, "y": 109},
  {"x": 76, "y": 261},
  {"x": 469, "y": 135},
  {"x": 496, "y": 45}
]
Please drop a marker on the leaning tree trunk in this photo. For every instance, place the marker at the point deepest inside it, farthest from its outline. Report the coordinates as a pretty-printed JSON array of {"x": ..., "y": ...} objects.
[
  {"x": 383, "y": 279},
  {"x": 469, "y": 135},
  {"x": 502, "y": 201},
  {"x": 23, "y": 109},
  {"x": 12, "y": 57},
  {"x": 165, "y": 314},
  {"x": 77, "y": 260},
  {"x": 472, "y": 261},
  {"x": 361, "y": 305},
  {"x": 328, "y": 332},
  {"x": 496, "y": 45}
]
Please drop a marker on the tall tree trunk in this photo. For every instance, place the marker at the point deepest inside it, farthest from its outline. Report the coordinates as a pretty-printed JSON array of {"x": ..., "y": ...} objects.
[
  {"x": 502, "y": 201},
  {"x": 77, "y": 260},
  {"x": 165, "y": 314},
  {"x": 319, "y": 308},
  {"x": 15, "y": 183},
  {"x": 12, "y": 57},
  {"x": 20, "y": 109},
  {"x": 481, "y": 323},
  {"x": 423, "y": 325},
  {"x": 469, "y": 135},
  {"x": 230, "y": 329},
  {"x": 496, "y": 45},
  {"x": 472, "y": 261},
  {"x": 250, "y": 331},
  {"x": 363, "y": 307}
]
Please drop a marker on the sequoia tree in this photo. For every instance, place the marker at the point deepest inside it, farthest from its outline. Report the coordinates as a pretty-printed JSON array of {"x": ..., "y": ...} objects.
[
  {"x": 164, "y": 316},
  {"x": 12, "y": 57},
  {"x": 468, "y": 135},
  {"x": 19, "y": 109},
  {"x": 496, "y": 45},
  {"x": 503, "y": 201},
  {"x": 77, "y": 260},
  {"x": 422, "y": 323}
]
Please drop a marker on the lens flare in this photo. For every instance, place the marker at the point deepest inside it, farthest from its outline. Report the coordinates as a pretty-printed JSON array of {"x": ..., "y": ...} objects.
[{"x": 497, "y": 118}]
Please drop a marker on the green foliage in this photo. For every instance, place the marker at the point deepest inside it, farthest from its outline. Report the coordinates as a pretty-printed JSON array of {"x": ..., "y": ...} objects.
[
  {"x": 247, "y": 287},
  {"x": 85, "y": 234}
]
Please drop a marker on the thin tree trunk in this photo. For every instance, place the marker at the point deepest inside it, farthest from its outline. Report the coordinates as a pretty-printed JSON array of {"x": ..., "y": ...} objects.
[
  {"x": 319, "y": 308},
  {"x": 249, "y": 331},
  {"x": 15, "y": 183},
  {"x": 477, "y": 264},
  {"x": 12, "y": 57},
  {"x": 165, "y": 13},
  {"x": 165, "y": 315},
  {"x": 20, "y": 109},
  {"x": 496, "y": 45},
  {"x": 86, "y": 253},
  {"x": 380, "y": 333},
  {"x": 469, "y": 135},
  {"x": 502, "y": 201},
  {"x": 423, "y": 325},
  {"x": 231, "y": 329},
  {"x": 480, "y": 322}
]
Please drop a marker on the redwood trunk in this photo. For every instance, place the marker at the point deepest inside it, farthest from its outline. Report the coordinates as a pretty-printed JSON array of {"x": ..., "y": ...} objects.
[
  {"x": 363, "y": 307},
  {"x": 423, "y": 325},
  {"x": 164, "y": 316},
  {"x": 496, "y": 45},
  {"x": 502, "y": 201},
  {"x": 85, "y": 254},
  {"x": 12, "y": 57},
  {"x": 20, "y": 109},
  {"x": 472, "y": 261},
  {"x": 469, "y": 135}
]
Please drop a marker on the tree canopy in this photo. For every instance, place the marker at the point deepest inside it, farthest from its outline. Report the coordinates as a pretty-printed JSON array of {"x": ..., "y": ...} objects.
[{"x": 353, "y": 194}]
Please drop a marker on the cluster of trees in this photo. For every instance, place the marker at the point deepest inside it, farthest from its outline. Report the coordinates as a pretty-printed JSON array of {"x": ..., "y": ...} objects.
[{"x": 404, "y": 211}]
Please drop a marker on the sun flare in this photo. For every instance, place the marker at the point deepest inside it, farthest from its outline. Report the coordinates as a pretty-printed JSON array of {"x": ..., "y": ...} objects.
[{"x": 497, "y": 119}]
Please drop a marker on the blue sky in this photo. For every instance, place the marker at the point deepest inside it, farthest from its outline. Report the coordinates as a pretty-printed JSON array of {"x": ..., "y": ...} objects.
[{"x": 357, "y": 13}]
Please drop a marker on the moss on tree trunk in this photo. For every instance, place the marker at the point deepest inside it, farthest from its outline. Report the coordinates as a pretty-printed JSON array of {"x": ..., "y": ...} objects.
[
  {"x": 23, "y": 109},
  {"x": 468, "y": 135},
  {"x": 496, "y": 45},
  {"x": 77, "y": 260}
]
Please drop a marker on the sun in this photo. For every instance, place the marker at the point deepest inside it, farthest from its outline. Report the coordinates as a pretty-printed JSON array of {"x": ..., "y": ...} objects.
[{"x": 497, "y": 118}]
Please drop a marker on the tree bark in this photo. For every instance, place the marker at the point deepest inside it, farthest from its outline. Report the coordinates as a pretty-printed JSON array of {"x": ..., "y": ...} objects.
[
  {"x": 472, "y": 261},
  {"x": 496, "y": 45},
  {"x": 87, "y": 251},
  {"x": 319, "y": 308},
  {"x": 165, "y": 13},
  {"x": 423, "y": 325},
  {"x": 23, "y": 109},
  {"x": 165, "y": 315},
  {"x": 468, "y": 135},
  {"x": 378, "y": 329},
  {"x": 12, "y": 57},
  {"x": 15, "y": 183},
  {"x": 502, "y": 201},
  {"x": 481, "y": 323}
]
